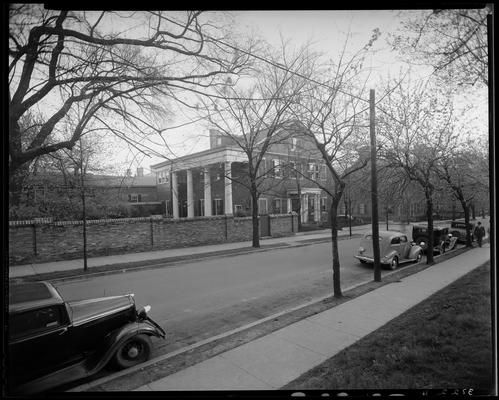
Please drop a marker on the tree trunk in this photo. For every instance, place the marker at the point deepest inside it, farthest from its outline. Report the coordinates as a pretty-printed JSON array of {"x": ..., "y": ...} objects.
[
  {"x": 254, "y": 215},
  {"x": 334, "y": 248},
  {"x": 467, "y": 223},
  {"x": 298, "y": 190},
  {"x": 17, "y": 178},
  {"x": 429, "y": 216}
]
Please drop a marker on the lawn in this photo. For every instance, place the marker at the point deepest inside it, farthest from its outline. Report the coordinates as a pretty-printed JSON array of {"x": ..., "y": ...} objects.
[{"x": 443, "y": 342}]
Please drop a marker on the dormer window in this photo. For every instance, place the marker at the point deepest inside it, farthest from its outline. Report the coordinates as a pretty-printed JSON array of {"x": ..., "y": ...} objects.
[
  {"x": 219, "y": 140},
  {"x": 294, "y": 144}
]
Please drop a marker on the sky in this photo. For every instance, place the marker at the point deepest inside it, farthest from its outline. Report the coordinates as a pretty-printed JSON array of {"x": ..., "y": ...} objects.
[{"x": 326, "y": 29}]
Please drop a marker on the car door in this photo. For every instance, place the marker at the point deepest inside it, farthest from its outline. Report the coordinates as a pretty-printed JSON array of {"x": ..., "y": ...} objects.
[
  {"x": 405, "y": 247},
  {"x": 38, "y": 342},
  {"x": 395, "y": 245}
]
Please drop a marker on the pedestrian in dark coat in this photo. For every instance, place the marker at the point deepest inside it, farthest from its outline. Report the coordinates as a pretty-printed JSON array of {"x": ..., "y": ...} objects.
[{"x": 479, "y": 233}]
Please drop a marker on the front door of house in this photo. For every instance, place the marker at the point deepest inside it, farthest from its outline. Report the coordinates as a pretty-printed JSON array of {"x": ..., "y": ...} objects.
[
  {"x": 295, "y": 205},
  {"x": 311, "y": 209}
]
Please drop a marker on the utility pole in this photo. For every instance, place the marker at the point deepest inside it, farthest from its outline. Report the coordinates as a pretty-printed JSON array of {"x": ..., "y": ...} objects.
[
  {"x": 374, "y": 191},
  {"x": 350, "y": 212},
  {"x": 84, "y": 214}
]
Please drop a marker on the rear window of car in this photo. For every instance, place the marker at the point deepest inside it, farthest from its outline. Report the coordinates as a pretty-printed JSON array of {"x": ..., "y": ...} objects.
[
  {"x": 21, "y": 293},
  {"x": 35, "y": 321},
  {"x": 370, "y": 237}
]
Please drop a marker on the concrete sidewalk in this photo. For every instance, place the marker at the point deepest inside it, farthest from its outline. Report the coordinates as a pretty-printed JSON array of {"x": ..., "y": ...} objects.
[
  {"x": 276, "y": 359},
  {"x": 19, "y": 271}
]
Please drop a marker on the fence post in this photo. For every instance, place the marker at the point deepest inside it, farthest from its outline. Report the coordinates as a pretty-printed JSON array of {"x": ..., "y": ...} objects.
[
  {"x": 35, "y": 250},
  {"x": 226, "y": 229},
  {"x": 152, "y": 233}
]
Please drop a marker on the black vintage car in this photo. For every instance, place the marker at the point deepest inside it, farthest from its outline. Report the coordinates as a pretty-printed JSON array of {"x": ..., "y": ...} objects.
[
  {"x": 458, "y": 229},
  {"x": 52, "y": 342},
  {"x": 421, "y": 234}
]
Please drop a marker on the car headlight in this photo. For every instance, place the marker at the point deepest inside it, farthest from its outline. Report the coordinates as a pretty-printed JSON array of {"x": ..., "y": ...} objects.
[
  {"x": 361, "y": 250},
  {"x": 143, "y": 311}
]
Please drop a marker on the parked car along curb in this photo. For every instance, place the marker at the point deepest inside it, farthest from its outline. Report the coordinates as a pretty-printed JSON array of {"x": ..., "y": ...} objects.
[{"x": 52, "y": 341}]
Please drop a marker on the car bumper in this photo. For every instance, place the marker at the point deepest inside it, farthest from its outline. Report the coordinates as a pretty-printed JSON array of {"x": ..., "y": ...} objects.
[
  {"x": 371, "y": 260},
  {"x": 365, "y": 258}
]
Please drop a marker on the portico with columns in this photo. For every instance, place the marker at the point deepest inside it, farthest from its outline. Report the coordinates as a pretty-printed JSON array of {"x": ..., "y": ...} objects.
[
  {"x": 310, "y": 204},
  {"x": 197, "y": 178}
]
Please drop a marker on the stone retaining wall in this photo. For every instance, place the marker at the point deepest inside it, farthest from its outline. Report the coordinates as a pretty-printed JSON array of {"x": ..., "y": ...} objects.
[{"x": 41, "y": 241}]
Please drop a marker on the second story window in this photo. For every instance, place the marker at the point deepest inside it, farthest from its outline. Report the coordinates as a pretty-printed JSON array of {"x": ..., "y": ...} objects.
[
  {"x": 294, "y": 144},
  {"x": 323, "y": 173},
  {"x": 313, "y": 171},
  {"x": 277, "y": 168}
]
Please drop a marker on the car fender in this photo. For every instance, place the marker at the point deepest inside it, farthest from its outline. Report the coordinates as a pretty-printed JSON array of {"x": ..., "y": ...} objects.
[
  {"x": 415, "y": 250},
  {"x": 115, "y": 339},
  {"x": 389, "y": 255}
]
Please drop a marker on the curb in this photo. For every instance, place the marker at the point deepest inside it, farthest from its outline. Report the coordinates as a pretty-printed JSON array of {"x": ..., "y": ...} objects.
[{"x": 292, "y": 315}]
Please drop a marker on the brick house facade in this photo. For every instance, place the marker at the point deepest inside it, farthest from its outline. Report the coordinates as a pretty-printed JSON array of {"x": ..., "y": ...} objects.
[{"x": 209, "y": 182}]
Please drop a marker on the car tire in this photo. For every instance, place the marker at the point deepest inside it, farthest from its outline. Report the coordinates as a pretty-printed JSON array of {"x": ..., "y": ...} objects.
[
  {"x": 419, "y": 257},
  {"x": 394, "y": 263},
  {"x": 419, "y": 240},
  {"x": 363, "y": 261},
  {"x": 133, "y": 351}
]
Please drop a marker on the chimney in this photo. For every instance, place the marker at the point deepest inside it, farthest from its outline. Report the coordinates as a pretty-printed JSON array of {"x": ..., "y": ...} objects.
[
  {"x": 140, "y": 172},
  {"x": 215, "y": 138}
]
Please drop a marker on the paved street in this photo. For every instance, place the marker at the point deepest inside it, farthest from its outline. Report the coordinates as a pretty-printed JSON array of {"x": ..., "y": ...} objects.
[
  {"x": 211, "y": 296},
  {"x": 277, "y": 358}
]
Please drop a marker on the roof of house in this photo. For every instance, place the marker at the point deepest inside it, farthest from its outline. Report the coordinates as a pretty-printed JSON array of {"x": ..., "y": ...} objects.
[{"x": 231, "y": 143}]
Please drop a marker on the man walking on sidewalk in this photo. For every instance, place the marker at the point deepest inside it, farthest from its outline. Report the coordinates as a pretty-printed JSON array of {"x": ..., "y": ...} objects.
[{"x": 479, "y": 233}]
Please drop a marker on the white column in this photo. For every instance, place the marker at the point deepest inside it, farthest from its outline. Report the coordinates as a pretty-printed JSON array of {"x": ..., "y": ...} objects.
[
  {"x": 175, "y": 195},
  {"x": 289, "y": 205},
  {"x": 207, "y": 192},
  {"x": 228, "y": 189},
  {"x": 317, "y": 208},
  {"x": 190, "y": 195},
  {"x": 305, "y": 208}
]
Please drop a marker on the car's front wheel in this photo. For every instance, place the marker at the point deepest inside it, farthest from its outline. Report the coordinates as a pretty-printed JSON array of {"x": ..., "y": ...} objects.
[
  {"x": 419, "y": 257},
  {"x": 394, "y": 263},
  {"x": 134, "y": 351}
]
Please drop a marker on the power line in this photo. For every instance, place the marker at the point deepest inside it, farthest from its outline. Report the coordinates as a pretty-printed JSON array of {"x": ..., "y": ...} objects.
[{"x": 282, "y": 67}]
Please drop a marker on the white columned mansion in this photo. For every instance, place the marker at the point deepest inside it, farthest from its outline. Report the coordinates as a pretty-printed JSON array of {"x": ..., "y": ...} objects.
[{"x": 200, "y": 184}]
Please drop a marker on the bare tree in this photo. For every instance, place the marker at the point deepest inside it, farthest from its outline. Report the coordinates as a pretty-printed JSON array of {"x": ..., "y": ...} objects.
[
  {"x": 392, "y": 184},
  {"x": 465, "y": 171},
  {"x": 118, "y": 68},
  {"x": 453, "y": 42},
  {"x": 255, "y": 117},
  {"x": 415, "y": 127},
  {"x": 333, "y": 112}
]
